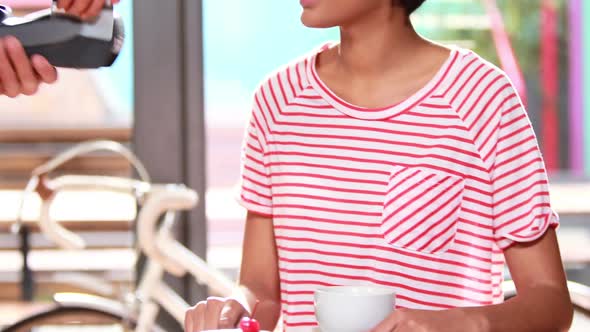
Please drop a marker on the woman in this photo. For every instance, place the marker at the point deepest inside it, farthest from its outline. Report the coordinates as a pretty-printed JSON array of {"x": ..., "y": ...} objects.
[
  {"x": 20, "y": 74},
  {"x": 390, "y": 160}
]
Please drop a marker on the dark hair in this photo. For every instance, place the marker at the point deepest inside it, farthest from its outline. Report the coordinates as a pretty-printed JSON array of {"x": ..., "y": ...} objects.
[{"x": 410, "y": 5}]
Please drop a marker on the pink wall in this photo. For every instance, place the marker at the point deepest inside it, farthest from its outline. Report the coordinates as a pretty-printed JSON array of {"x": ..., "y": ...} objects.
[{"x": 26, "y": 3}]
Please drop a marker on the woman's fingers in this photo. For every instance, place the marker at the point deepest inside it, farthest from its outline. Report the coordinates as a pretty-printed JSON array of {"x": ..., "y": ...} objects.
[
  {"x": 29, "y": 83},
  {"x": 46, "y": 72},
  {"x": 85, "y": 9},
  {"x": 94, "y": 9},
  {"x": 215, "y": 313},
  {"x": 64, "y": 4},
  {"x": 8, "y": 76},
  {"x": 79, "y": 7},
  {"x": 212, "y": 312},
  {"x": 20, "y": 74}
]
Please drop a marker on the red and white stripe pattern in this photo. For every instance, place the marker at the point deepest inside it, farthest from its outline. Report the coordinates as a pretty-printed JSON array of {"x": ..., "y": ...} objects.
[
  {"x": 421, "y": 196},
  {"x": 421, "y": 209}
]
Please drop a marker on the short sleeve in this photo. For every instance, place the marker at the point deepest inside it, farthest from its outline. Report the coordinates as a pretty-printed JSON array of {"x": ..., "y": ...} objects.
[
  {"x": 255, "y": 184},
  {"x": 522, "y": 210}
]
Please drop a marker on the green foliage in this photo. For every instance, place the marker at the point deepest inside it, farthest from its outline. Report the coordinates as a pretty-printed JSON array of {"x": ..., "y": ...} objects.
[{"x": 521, "y": 17}]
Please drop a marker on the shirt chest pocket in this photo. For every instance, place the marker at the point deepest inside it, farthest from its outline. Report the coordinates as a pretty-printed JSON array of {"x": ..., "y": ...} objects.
[{"x": 421, "y": 209}]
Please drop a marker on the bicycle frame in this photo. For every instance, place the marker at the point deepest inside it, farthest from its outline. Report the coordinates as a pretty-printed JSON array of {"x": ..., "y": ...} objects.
[
  {"x": 164, "y": 253},
  {"x": 167, "y": 254}
]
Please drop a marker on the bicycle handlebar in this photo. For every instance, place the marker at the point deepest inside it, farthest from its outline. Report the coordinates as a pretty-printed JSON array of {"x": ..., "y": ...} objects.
[
  {"x": 155, "y": 200},
  {"x": 47, "y": 188},
  {"x": 159, "y": 201},
  {"x": 88, "y": 147}
]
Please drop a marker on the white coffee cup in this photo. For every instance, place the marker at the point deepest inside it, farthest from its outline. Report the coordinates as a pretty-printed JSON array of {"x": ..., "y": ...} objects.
[{"x": 352, "y": 308}]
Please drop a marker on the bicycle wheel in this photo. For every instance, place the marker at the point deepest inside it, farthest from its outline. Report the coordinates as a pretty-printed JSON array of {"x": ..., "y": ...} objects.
[{"x": 73, "y": 318}]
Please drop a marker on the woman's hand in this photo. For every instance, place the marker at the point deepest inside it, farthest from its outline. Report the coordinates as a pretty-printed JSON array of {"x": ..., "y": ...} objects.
[
  {"x": 215, "y": 313},
  {"x": 258, "y": 285},
  {"x": 85, "y": 9},
  {"x": 20, "y": 74},
  {"x": 408, "y": 320}
]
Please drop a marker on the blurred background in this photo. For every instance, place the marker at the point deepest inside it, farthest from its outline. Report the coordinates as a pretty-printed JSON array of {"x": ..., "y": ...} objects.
[{"x": 206, "y": 88}]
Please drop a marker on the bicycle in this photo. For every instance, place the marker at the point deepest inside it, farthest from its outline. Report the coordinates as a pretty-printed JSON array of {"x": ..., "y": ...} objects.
[{"x": 163, "y": 252}]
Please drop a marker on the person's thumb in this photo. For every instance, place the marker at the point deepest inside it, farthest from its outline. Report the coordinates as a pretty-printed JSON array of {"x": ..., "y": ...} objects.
[{"x": 231, "y": 314}]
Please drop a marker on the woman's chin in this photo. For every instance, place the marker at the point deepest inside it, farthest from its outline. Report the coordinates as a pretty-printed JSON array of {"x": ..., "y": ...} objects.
[
  {"x": 314, "y": 22},
  {"x": 318, "y": 24}
]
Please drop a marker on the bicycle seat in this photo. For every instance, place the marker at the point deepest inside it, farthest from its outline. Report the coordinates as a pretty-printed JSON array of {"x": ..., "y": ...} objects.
[{"x": 64, "y": 40}]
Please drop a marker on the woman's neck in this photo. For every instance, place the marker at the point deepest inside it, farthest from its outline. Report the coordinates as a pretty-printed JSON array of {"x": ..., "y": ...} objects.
[{"x": 377, "y": 41}]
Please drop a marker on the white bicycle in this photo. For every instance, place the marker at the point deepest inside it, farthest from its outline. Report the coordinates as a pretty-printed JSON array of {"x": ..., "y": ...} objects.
[{"x": 155, "y": 240}]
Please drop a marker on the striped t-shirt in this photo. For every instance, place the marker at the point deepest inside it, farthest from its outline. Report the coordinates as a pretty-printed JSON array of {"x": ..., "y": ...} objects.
[{"x": 421, "y": 196}]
